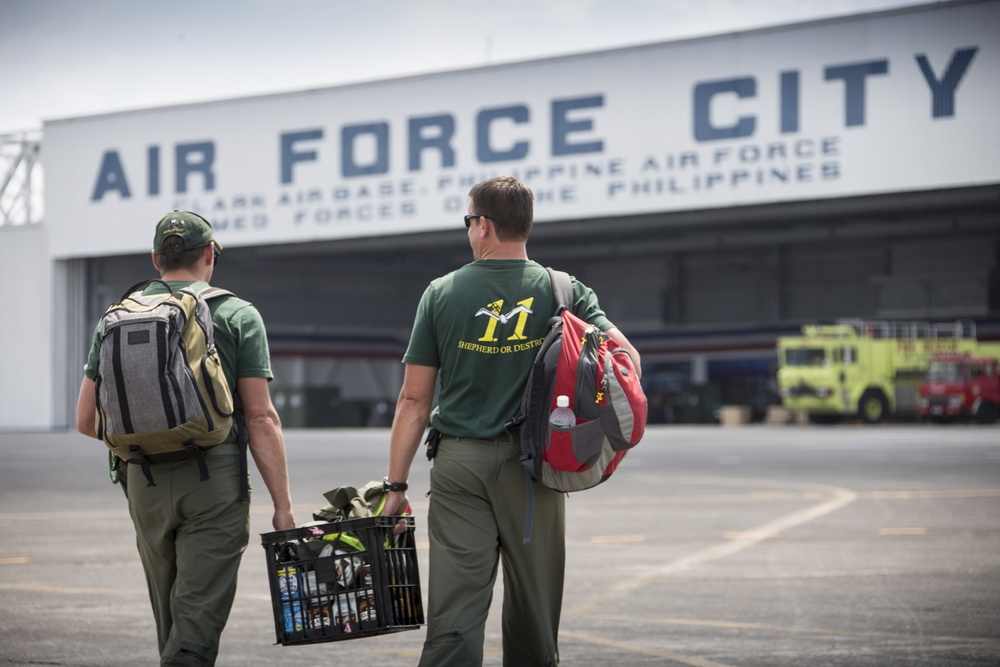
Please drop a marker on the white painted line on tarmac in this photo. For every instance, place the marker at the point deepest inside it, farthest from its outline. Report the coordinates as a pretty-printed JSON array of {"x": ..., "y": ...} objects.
[
  {"x": 62, "y": 516},
  {"x": 752, "y": 496},
  {"x": 936, "y": 493},
  {"x": 617, "y": 539},
  {"x": 43, "y": 588},
  {"x": 840, "y": 497},
  {"x": 15, "y": 560},
  {"x": 761, "y": 627},
  {"x": 916, "y": 530}
]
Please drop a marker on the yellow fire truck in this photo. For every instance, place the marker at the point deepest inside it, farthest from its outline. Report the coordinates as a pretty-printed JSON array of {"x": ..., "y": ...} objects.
[{"x": 867, "y": 369}]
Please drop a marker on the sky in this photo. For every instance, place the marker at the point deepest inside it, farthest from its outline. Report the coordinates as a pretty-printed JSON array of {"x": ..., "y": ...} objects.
[{"x": 71, "y": 58}]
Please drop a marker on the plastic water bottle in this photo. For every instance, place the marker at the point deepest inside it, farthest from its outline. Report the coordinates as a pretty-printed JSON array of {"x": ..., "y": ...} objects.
[{"x": 562, "y": 416}]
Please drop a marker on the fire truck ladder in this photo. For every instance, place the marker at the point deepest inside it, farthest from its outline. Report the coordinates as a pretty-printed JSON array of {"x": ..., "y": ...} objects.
[{"x": 959, "y": 329}]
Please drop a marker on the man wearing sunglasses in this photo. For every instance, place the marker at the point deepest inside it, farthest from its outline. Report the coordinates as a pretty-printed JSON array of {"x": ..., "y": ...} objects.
[
  {"x": 477, "y": 329},
  {"x": 191, "y": 532}
]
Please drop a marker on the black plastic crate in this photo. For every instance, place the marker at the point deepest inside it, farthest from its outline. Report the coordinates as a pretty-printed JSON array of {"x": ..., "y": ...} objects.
[{"x": 343, "y": 580}]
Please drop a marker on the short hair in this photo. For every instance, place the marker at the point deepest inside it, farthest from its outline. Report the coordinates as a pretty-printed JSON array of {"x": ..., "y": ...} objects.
[
  {"x": 509, "y": 203},
  {"x": 182, "y": 259}
]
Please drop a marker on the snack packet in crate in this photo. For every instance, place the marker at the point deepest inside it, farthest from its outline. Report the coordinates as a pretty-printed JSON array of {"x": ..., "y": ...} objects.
[{"x": 288, "y": 585}]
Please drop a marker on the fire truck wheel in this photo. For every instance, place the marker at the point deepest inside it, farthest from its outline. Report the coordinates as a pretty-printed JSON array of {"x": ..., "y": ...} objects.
[
  {"x": 987, "y": 413},
  {"x": 872, "y": 407}
]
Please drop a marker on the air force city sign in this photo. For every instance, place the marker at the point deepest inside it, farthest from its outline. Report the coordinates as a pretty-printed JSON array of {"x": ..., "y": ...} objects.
[{"x": 891, "y": 102}]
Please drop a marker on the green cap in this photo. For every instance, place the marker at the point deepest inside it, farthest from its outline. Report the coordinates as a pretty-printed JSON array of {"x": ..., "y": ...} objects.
[{"x": 194, "y": 229}]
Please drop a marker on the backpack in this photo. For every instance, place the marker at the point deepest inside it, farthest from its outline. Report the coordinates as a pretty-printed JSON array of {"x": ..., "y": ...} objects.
[
  {"x": 577, "y": 360},
  {"x": 161, "y": 392}
]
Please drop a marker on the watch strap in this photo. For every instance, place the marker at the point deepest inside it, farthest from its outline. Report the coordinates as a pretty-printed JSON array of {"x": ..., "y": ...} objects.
[{"x": 394, "y": 486}]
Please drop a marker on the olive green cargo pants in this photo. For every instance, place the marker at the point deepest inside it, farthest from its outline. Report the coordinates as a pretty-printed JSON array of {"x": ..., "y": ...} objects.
[
  {"x": 191, "y": 537},
  {"x": 476, "y": 520}
]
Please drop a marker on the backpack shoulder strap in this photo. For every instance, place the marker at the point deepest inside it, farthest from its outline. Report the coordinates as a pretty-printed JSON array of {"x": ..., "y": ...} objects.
[
  {"x": 562, "y": 287},
  {"x": 213, "y": 292},
  {"x": 239, "y": 417},
  {"x": 141, "y": 286},
  {"x": 533, "y": 411}
]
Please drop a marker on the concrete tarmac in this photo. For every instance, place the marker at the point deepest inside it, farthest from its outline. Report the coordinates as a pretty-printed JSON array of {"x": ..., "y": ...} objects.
[{"x": 710, "y": 547}]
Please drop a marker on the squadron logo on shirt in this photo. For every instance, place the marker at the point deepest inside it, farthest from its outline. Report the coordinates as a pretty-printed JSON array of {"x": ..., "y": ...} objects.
[
  {"x": 502, "y": 319},
  {"x": 495, "y": 316}
]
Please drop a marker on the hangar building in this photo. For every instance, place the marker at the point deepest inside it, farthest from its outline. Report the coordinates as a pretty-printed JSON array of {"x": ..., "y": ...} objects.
[{"x": 715, "y": 192}]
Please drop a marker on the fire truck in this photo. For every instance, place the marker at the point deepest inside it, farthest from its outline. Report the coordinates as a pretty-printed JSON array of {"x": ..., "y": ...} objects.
[
  {"x": 865, "y": 369},
  {"x": 961, "y": 386}
]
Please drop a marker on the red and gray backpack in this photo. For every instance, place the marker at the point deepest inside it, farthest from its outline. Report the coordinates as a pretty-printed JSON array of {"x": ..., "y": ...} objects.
[{"x": 580, "y": 361}]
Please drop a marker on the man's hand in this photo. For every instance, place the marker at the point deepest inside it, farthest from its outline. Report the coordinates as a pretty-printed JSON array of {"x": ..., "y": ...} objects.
[
  {"x": 396, "y": 504},
  {"x": 283, "y": 520}
]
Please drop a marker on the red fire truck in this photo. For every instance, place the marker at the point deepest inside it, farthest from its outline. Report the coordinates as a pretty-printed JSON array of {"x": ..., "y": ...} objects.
[{"x": 961, "y": 386}]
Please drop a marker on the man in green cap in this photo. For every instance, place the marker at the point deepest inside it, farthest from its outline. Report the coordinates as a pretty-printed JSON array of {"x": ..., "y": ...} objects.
[{"x": 191, "y": 532}]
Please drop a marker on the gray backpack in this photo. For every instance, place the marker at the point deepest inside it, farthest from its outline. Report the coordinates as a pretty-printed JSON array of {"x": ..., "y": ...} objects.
[{"x": 161, "y": 392}]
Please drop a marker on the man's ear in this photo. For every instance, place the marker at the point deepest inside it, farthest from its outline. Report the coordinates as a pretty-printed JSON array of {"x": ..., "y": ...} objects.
[
  {"x": 209, "y": 256},
  {"x": 155, "y": 263}
]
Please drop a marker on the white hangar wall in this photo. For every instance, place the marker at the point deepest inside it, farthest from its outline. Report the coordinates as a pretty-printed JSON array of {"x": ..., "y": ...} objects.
[{"x": 26, "y": 364}]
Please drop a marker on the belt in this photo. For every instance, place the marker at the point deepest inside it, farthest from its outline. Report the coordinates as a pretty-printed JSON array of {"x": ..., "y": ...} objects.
[{"x": 499, "y": 440}]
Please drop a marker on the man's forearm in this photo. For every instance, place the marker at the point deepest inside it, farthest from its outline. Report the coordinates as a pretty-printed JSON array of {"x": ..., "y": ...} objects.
[
  {"x": 407, "y": 430},
  {"x": 267, "y": 445}
]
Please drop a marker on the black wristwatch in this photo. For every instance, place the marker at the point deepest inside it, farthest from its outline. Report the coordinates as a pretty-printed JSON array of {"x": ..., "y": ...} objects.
[{"x": 393, "y": 486}]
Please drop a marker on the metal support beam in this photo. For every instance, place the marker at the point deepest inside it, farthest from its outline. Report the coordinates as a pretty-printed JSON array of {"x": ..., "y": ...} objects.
[{"x": 20, "y": 179}]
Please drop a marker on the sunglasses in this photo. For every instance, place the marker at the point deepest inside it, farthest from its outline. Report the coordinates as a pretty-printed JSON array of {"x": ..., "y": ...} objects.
[
  {"x": 216, "y": 254},
  {"x": 469, "y": 218}
]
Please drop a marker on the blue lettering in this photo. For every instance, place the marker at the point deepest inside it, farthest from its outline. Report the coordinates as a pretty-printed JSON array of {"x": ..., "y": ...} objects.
[
  {"x": 288, "y": 154},
  {"x": 562, "y": 127},
  {"x": 703, "y": 94},
  {"x": 111, "y": 176},
  {"x": 854, "y": 86},
  {"x": 484, "y": 152},
  {"x": 943, "y": 91},
  {"x": 442, "y": 141},
  {"x": 192, "y": 159},
  {"x": 349, "y": 166},
  {"x": 153, "y": 177},
  {"x": 789, "y": 101}
]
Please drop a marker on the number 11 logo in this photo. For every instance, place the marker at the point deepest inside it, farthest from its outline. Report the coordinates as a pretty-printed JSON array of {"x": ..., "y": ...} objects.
[{"x": 493, "y": 311}]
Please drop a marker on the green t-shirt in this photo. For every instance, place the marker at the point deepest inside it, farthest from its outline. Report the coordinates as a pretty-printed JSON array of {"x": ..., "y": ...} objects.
[
  {"x": 481, "y": 326},
  {"x": 240, "y": 338}
]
